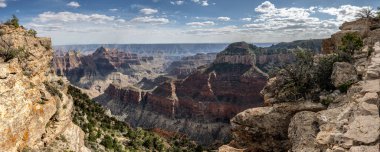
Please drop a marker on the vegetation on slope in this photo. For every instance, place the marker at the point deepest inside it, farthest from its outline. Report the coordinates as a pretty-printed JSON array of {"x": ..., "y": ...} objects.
[
  {"x": 310, "y": 75},
  {"x": 109, "y": 134}
]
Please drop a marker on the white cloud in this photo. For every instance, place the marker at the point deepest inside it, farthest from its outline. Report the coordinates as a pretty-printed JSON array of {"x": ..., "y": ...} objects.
[
  {"x": 223, "y": 18},
  {"x": 201, "y": 2},
  {"x": 150, "y": 20},
  {"x": 73, "y": 17},
  {"x": 289, "y": 23},
  {"x": 343, "y": 13},
  {"x": 205, "y": 3},
  {"x": 181, "y": 2},
  {"x": 3, "y": 4},
  {"x": 148, "y": 11},
  {"x": 265, "y": 7},
  {"x": 73, "y": 4},
  {"x": 201, "y": 24},
  {"x": 214, "y": 31},
  {"x": 113, "y": 9},
  {"x": 247, "y": 19}
]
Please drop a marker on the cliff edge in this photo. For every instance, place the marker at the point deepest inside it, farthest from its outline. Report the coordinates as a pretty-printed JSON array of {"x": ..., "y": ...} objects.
[{"x": 35, "y": 112}]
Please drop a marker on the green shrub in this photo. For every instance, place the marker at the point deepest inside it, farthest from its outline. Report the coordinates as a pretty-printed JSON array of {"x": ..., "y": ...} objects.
[
  {"x": 344, "y": 87},
  {"x": 370, "y": 51},
  {"x": 14, "y": 21},
  {"x": 52, "y": 90},
  {"x": 32, "y": 32},
  {"x": 299, "y": 77},
  {"x": 107, "y": 142},
  {"x": 11, "y": 53},
  {"x": 324, "y": 69},
  {"x": 351, "y": 42}
]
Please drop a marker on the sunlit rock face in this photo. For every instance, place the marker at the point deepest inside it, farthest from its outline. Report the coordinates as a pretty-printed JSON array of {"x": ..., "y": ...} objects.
[{"x": 34, "y": 108}]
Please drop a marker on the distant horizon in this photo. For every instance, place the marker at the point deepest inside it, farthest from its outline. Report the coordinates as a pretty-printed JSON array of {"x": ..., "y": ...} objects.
[{"x": 175, "y": 21}]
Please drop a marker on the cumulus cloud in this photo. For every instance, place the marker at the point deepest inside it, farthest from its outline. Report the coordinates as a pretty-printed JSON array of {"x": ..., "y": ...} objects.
[
  {"x": 289, "y": 23},
  {"x": 344, "y": 12},
  {"x": 201, "y": 2},
  {"x": 73, "y": 4},
  {"x": 3, "y": 4},
  {"x": 177, "y": 2},
  {"x": 273, "y": 18},
  {"x": 73, "y": 17},
  {"x": 150, "y": 20},
  {"x": 201, "y": 24},
  {"x": 223, "y": 18},
  {"x": 247, "y": 19},
  {"x": 148, "y": 11}
]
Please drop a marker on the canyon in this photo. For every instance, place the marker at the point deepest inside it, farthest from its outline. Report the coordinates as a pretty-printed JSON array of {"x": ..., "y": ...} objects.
[{"x": 193, "y": 95}]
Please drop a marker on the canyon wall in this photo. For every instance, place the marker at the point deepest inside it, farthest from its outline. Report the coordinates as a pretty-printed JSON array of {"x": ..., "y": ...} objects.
[
  {"x": 189, "y": 64},
  {"x": 96, "y": 71},
  {"x": 198, "y": 106}
]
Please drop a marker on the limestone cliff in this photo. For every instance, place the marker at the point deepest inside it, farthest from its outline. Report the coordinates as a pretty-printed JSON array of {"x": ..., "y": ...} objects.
[
  {"x": 346, "y": 122},
  {"x": 35, "y": 112}
]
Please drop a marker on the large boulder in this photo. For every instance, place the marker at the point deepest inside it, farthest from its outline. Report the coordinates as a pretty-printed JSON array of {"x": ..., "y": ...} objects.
[
  {"x": 343, "y": 73},
  {"x": 266, "y": 128}
]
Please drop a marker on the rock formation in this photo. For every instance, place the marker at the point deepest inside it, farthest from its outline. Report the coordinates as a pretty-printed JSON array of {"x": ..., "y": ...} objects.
[
  {"x": 35, "y": 112},
  {"x": 348, "y": 122},
  {"x": 96, "y": 71},
  {"x": 189, "y": 64},
  {"x": 199, "y": 105}
]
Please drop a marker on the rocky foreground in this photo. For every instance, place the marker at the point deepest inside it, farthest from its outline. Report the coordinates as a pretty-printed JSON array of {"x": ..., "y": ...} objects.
[
  {"x": 346, "y": 122},
  {"x": 35, "y": 112}
]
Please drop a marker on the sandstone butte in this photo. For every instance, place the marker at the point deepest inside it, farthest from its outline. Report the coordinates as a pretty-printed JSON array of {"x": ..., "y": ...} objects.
[{"x": 350, "y": 123}]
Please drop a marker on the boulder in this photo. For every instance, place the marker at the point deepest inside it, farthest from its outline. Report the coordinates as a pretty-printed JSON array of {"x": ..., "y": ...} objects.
[
  {"x": 364, "y": 129},
  {"x": 343, "y": 73},
  {"x": 266, "y": 128},
  {"x": 302, "y": 131}
]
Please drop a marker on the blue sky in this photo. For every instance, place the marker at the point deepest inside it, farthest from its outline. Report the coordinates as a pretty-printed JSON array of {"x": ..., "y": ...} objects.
[{"x": 182, "y": 21}]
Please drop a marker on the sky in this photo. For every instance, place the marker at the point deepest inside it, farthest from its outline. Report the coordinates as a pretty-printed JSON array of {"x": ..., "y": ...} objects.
[{"x": 182, "y": 21}]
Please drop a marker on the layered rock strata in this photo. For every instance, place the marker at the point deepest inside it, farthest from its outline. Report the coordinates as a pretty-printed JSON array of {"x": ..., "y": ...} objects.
[{"x": 199, "y": 106}]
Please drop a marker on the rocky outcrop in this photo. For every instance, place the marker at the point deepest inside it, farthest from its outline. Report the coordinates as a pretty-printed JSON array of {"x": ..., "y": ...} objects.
[
  {"x": 266, "y": 128},
  {"x": 199, "y": 106},
  {"x": 349, "y": 121},
  {"x": 34, "y": 109},
  {"x": 362, "y": 27}
]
